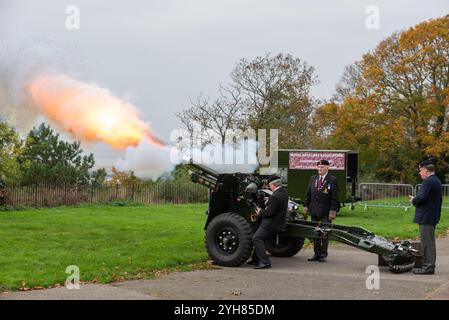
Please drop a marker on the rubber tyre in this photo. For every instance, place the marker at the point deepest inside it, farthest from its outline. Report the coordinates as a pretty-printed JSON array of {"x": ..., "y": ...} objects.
[
  {"x": 240, "y": 229},
  {"x": 287, "y": 247},
  {"x": 402, "y": 268}
]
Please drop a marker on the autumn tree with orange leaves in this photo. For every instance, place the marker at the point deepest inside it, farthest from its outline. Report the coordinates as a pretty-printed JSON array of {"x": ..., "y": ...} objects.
[{"x": 393, "y": 105}]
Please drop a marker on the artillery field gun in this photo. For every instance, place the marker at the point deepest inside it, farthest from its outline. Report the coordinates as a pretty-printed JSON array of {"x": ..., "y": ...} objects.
[{"x": 230, "y": 224}]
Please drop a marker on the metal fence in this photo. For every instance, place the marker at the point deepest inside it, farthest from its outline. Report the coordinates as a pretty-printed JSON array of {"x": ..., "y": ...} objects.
[
  {"x": 48, "y": 195},
  {"x": 386, "y": 195}
]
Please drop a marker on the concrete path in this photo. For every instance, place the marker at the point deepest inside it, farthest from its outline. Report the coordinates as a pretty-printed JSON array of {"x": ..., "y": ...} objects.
[{"x": 342, "y": 277}]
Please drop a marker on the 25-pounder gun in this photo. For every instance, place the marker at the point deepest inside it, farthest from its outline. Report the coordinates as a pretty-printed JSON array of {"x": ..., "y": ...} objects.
[{"x": 231, "y": 222}]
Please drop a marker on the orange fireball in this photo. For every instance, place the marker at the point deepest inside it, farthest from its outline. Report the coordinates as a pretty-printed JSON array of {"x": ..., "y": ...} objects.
[{"x": 89, "y": 112}]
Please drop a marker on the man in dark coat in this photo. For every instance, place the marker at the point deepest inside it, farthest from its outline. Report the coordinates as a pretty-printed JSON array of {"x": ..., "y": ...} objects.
[
  {"x": 427, "y": 214},
  {"x": 322, "y": 203},
  {"x": 272, "y": 220}
]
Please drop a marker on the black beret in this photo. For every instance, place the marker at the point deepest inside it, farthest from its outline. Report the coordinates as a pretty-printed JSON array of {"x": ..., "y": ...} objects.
[
  {"x": 426, "y": 163},
  {"x": 272, "y": 178},
  {"x": 323, "y": 162}
]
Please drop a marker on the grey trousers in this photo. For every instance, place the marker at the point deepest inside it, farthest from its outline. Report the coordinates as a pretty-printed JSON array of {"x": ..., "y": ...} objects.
[
  {"x": 320, "y": 245},
  {"x": 262, "y": 234},
  {"x": 428, "y": 247}
]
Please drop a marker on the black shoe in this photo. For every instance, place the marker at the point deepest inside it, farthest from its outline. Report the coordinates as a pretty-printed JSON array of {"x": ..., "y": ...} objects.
[
  {"x": 263, "y": 266},
  {"x": 314, "y": 258},
  {"x": 252, "y": 262},
  {"x": 322, "y": 259},
  {"x": 423, "y": 271}
]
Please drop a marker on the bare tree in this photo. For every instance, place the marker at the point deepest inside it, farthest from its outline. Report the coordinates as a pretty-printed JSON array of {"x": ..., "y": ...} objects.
[
  {"x": 268, "y": 92},
  {"x": 209, "y": 121},
  {"x": 276, "y": 94}
]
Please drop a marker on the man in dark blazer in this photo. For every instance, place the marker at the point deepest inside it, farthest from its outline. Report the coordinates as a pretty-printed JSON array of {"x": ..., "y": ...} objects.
[
  {"x": 272, "y": 220},
  {"x": 322, "y": 203},
  {"x": 427, "y": 214}
]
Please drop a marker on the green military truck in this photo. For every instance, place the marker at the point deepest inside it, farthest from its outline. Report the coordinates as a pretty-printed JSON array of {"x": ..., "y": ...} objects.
[{"x": 297, "y": 166}]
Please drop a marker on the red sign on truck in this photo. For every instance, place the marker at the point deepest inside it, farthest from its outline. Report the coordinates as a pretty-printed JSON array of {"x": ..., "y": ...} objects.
[{"x": 307, "y": 160}]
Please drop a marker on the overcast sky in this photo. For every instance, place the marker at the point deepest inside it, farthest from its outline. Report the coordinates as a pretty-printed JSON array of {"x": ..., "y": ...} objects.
[{"x": 158, "y": 54}]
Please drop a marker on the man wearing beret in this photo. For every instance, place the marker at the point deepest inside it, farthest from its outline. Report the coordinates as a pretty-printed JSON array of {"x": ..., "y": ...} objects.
[
  {"x": 322, "y": 203},
  {"x": 427, "y": 214},
  {"x": 272, "y": 220}
]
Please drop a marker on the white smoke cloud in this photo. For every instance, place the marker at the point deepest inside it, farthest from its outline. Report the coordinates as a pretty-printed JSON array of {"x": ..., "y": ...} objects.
[
  {"x": 21, "y": 58},
  {"x": 229, "y": 158},
  {"x": 14, "y": 104},
  {"x": 148, "y": 161}
]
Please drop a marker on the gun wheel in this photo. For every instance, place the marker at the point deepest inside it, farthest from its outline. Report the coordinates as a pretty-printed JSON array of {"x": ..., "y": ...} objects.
[
  {"x": 400, "y": 264},
  {"x": 401, "y": 268},
  {"x": 284, "y": 246},
  {"x": 228, "y": 240}
]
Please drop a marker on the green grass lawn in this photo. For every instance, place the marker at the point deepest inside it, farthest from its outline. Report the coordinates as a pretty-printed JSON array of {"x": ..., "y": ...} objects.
[
  {"x": 398, "y": 201},
  {"x": 111, "y": 243},
  {"x": 107, "y": 242},
  {"x": 388, "y": 222},
  {"x": 394, "y": 201}
]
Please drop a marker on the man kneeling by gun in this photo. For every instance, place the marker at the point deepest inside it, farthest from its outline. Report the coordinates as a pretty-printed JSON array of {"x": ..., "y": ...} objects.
[{"x": 272, "y": 220}]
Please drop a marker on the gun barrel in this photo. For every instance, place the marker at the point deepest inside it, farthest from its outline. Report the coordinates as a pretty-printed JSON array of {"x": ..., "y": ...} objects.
[
  {"x": 205, "y": 169},
  {"x": 204, "y": 179},
  {"x": 203, "y": 175}
]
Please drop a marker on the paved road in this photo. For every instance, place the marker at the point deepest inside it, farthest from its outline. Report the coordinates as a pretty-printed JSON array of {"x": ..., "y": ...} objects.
[{"x": 342, "y": 277}]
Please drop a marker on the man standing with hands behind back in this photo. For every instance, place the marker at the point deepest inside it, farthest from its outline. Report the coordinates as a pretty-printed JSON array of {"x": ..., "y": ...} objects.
[
  {"x": 322, "y": 203},
  {"x": 427, "y": 214}
]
